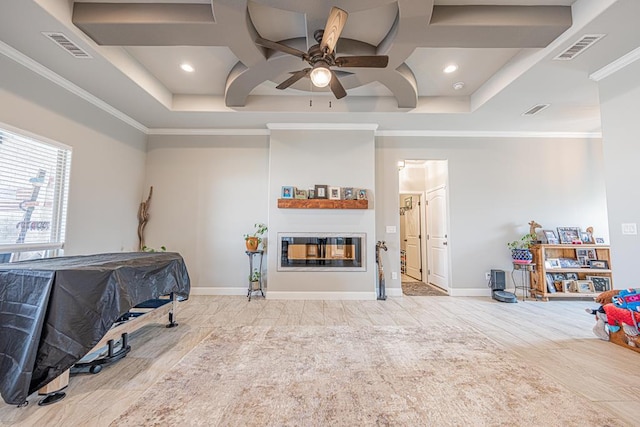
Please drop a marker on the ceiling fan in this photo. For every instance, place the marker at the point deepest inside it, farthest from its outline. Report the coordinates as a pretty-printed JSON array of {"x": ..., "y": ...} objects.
[{"x": 322, "y": 56}]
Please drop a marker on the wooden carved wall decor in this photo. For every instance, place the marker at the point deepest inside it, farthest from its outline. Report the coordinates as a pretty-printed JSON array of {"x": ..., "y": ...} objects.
[{"x": 143, "y": 218}]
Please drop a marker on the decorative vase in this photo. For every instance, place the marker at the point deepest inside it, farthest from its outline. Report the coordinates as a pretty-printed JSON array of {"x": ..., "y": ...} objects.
[
  {"x": 521, "y": 256},
  {"x": 252, "y": 243}
]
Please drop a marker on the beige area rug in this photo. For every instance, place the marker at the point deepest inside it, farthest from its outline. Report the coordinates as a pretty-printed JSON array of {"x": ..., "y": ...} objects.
[
  {"x": 348, "y": 376},
  {"x": 419, "y": 289}
]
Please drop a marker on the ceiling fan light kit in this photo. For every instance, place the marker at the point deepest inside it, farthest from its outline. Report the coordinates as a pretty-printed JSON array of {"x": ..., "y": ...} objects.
[
  {"x": 322, "y": 56},
  {"x": 320, "y": 75}
]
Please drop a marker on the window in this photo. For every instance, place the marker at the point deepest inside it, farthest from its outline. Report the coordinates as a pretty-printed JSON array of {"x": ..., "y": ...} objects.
[{"x": 34, "y": 183}]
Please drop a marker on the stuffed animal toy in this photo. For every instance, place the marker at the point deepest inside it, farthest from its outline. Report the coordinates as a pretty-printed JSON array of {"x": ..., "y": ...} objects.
[{"x": 606, "y": 297}]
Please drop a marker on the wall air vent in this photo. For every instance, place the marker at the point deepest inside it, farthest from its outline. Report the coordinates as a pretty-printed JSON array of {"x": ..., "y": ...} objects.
[
  {"x": 535, "y": 109},
  {"x": 578, "y": 47},
  {"x": 69, "y": 46}
]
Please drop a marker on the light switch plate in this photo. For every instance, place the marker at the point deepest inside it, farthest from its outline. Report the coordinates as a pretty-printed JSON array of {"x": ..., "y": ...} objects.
[
  {"x": 629, "y": 228},
  {"x": 391, "y": 228},
  {"x": 394, "y": 275}
]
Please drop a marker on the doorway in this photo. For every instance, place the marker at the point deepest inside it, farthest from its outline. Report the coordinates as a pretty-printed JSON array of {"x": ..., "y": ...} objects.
[{"x": 423, "y": 210}]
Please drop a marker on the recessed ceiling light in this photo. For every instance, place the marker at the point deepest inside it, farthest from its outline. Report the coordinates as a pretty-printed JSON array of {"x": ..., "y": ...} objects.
[
  {"x": 450, "y": 68},
  {"x": 458, "y": 85},
  {"x": 186, "y": 67}
]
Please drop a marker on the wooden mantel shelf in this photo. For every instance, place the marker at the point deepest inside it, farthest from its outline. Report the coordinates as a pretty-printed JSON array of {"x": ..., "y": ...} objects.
[{"x": 322, "y": 204}]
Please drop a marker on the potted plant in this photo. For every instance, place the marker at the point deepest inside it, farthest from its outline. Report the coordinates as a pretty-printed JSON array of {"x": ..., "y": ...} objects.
[
  {"x": 254, "y": 278},
  {"x": 520, "y": 249},
  {"x": 253, "y": 240}
]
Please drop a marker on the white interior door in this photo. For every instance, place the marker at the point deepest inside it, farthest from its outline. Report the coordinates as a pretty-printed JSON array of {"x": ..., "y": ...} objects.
[
  {"x": 437, "y": 245},
  {"x": 412, "y": 238}
]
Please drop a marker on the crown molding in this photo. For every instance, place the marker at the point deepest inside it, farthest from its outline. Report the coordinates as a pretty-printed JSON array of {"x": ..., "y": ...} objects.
[
  {"x": 616, "y": 65},
  {"x": 55, "y": 78},
  {"x": 209, "y": 132},
  {"x": 488, "y": 134},
  {"x": 322, "y": 126}
]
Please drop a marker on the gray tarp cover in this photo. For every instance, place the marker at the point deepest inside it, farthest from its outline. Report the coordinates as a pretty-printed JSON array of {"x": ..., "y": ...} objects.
[{"x": 53, "y": 311}]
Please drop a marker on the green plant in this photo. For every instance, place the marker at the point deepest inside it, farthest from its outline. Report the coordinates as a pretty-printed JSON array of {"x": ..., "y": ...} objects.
[
  {"x": 148, "y": 249},
  {"x": 525, "y": 242},
  {"x": 255, "y": 275},
  {"x": 260, "y": 230}
]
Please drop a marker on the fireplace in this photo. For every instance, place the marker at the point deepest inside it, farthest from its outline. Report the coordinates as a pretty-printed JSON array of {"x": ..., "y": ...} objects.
[{"x": 321, "y": 252}]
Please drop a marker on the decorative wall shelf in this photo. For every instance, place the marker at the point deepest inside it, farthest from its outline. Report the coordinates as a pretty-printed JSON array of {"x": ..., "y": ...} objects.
[{"x": 322, "y": 204}]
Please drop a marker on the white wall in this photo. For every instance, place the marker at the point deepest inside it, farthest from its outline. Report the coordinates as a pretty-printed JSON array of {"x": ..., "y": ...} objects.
[
  {"x": 496, "y": 186},
  {"x": 208, "y": 191},
  {"x": 107, "y": 168},
  {"x": 620, "y": 109},
  {"x": 303, "y": 158}
]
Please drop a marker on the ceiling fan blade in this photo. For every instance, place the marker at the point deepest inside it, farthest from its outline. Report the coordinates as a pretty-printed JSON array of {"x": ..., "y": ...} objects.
[
  {"x": 281, "y": 47},
  {"x": 376, "y": 61},
  {"x": 336, "y": 86},
  {"x": 335, "y": 24},
  {"x": 294, "y": 78}
]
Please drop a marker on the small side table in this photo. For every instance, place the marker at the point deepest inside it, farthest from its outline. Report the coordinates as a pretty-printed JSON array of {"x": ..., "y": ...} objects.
[
  {"x": 523, "y": 284},
  {"x": 252, "y": 255}
]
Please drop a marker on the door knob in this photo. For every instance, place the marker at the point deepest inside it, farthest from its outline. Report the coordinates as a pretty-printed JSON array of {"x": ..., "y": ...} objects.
[{"x": 444, "y": 243}]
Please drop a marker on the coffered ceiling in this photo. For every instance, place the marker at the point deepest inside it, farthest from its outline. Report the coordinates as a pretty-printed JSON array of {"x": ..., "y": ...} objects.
[{"x": 503, "y": 51}]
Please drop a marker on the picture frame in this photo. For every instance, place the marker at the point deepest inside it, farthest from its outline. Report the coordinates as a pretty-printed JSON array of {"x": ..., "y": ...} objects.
[
  {"x": 551, "y": 288},
  {"x": 599, "y": 263},
  {"x": 362, "y": 194},
  {"x": 586, "y": 253},
  {"x": 569, "y": 263},
  {"x": 569, "y": 235},
  {"x": 586, "y": 237},
  {"x": 321, "y": 192},
  {"x": 568, "y": 285},
  {"x": 559, "y": 277},
  {"x": 599, "y": 240},
  {"x": 408, "y": 203},
  {"x": 600, "y": 283},
  {"x": 287, "y": 192},
  {"x": 550, "y": 237},
  {"x": 584, "y": 261},
  {"x": 348, "y": 193},
  {"x": 299, "y": 193},
  {"x": 584, "y": 286},
  {"x": 552, "y": 263},
  {"x": 334, "y": 193},
  {"x": 571, "y": 276}
]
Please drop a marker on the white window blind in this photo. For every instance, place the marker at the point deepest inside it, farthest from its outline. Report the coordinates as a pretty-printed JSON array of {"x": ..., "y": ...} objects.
[{"x": 34, "y": 182}]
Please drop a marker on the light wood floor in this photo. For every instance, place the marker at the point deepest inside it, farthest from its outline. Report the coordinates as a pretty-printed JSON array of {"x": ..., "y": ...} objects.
[{"x": 554, "y": 337}]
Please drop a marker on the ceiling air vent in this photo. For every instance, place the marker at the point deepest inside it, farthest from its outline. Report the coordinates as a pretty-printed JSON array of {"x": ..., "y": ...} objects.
[
  {"x": 69, "y": 46},
  {"x": 535, "y": 109},
  {"x": 578, "y": 47}
]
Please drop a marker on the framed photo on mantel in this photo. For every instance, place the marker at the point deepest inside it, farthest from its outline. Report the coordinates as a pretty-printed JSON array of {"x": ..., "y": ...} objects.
[{"x": 321, "y": 192}]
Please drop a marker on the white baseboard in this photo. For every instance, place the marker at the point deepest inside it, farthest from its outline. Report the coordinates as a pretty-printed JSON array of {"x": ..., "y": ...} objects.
[
  {"x": 391, "y": 292},
  {"x": 218, "y": 291},
  {"x": 321, "y": 295},
  {"x": 469, "y": 292},
  {"x": 394, "y": 292}
]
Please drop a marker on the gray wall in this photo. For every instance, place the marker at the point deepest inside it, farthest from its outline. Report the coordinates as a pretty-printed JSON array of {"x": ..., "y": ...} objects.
[
  {"x": 208, "y": 191},
  {"x": 495, "y": 187},
  {"x": 108, "y": 160},
  {"x": 303, "y": 158},
  {"x": 620, "y": 109}
]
